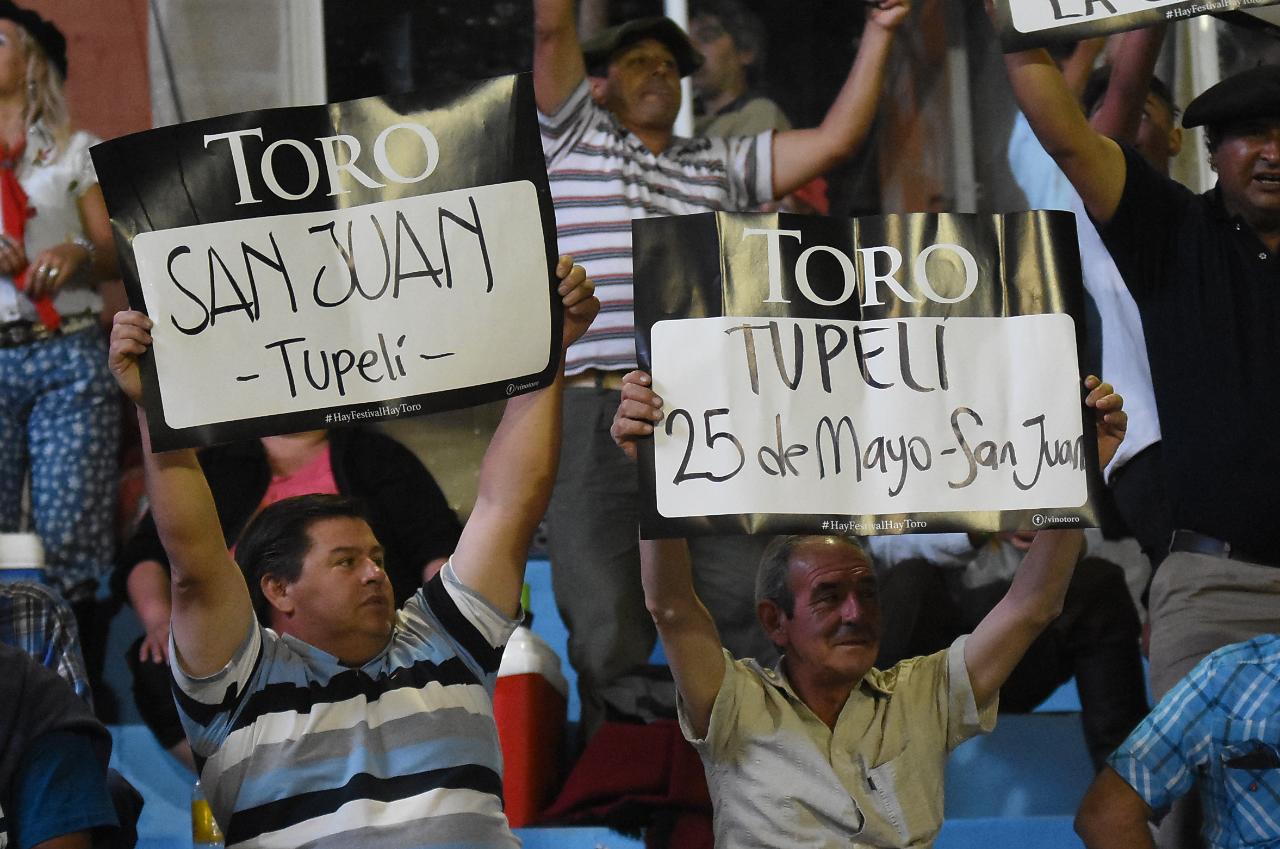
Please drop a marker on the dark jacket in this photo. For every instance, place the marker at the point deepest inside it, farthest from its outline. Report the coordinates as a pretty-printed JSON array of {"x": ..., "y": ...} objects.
[{"x": 35, "y": 702}]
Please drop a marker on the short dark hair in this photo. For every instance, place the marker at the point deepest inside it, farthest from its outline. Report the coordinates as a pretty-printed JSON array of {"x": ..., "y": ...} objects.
[
  {"x": 1096, "y": 88},
  {"x": 277, "y": 540},
  {"x": 773, "y": 575},
  {"x": 1214, "y": 133},
  {"x": 744, "y": 26},
  {"x": 1212, "y": 136}
]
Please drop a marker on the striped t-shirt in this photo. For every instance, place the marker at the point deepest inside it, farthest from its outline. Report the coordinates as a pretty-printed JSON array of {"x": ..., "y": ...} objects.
[
  {"x": 602, "y": 177},
  {"x": 299, "y": 750}
]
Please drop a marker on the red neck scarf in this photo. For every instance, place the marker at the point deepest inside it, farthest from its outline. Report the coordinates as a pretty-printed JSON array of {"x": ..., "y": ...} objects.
[{"x": 14, "y": 212}]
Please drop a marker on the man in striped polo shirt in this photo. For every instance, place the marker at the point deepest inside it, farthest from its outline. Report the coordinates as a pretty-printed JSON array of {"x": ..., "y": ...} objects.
[
  {"x": 347, "y": 723},
  {"x": 608, "y": 109}
]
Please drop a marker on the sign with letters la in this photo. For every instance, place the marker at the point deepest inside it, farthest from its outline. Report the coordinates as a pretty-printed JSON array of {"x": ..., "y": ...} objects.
[
  {"x": 909, "y": 373},
  {"x": 1022, "y": 24},
  {"x": 330, "y": 265}
]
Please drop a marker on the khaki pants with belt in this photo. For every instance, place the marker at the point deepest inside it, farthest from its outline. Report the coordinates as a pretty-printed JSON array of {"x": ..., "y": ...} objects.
[{"x": 1200, "y": 603}]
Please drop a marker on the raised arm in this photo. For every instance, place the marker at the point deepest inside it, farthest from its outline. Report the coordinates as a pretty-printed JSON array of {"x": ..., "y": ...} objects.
[
  {"x": 688, "y": 632},
  {"x": 593, "y": 17},
  {"x": 557, "y": 54},
  {"x": 1079, "y": 65},
  {"x": 211, "y": 607},
  {"x": 1035, "y": 597},
  {"x": 1092, "y": 162},
  {"x": 801, "y": 155},
  {"x": 519, "y": 469},
  {"x": 1120, "y": 112}
]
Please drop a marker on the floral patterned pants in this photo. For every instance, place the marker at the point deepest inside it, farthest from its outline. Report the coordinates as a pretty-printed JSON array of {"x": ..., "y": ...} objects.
[{"x": 59, "y": 417}]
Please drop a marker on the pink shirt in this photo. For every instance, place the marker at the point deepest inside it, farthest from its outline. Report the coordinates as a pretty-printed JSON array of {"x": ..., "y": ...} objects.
[{"x": 316, "y": 477}]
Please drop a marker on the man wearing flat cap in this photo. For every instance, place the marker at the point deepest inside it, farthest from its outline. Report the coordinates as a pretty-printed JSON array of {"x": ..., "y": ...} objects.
[
  {"x": 608, "y": 109},
  {"x": 1205, "y": 273}
]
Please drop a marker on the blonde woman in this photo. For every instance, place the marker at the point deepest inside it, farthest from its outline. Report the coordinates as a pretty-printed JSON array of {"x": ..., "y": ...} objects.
[{"x": 58, "y": 411}]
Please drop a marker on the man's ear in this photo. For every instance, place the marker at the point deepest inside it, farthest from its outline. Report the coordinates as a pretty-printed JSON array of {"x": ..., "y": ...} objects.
[
  {"x": 1175, "y": 141},
  {"x": 774, "y": 621},
  {"x": 276, "y": 591},
  {"x": 599, "y": 88}
]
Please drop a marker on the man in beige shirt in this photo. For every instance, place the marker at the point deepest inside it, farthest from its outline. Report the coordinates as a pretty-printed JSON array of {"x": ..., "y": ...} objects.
[{"x": 824, "y": 750}]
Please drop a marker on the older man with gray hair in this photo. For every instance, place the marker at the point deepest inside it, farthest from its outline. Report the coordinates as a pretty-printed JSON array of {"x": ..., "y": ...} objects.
[{"x": 823, "y": 749}]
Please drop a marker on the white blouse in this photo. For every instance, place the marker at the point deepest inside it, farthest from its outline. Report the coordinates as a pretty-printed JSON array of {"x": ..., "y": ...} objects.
[{"x": 53, "y": 186}]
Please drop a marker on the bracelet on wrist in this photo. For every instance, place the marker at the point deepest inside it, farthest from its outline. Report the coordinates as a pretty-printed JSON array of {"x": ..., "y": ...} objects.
[{"x": 87, "y": 244}]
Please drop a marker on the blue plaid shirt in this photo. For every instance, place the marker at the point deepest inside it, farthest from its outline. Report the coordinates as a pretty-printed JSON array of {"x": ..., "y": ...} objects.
[
  {"x": 1219, "y": 726},
  {"x": 35, "y": 618}
]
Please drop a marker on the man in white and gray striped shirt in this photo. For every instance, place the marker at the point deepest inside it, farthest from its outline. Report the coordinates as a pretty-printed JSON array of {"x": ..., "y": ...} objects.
[
  {"x": 336, "y": 721},
  {"x": 608, "y": 109}
]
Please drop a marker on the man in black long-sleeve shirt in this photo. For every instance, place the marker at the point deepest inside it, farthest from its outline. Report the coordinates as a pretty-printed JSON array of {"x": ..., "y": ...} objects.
[{"x": 1204, "y": 272}]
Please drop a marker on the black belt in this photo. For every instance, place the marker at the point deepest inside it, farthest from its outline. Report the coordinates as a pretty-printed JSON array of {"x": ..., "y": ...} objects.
[
  {"x": 1195, "y": 543},
  {"x": 14, "y": 334}
]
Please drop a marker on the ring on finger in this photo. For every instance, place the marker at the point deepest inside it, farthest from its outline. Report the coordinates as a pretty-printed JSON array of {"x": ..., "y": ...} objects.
[{"x": 42, "y": 270}]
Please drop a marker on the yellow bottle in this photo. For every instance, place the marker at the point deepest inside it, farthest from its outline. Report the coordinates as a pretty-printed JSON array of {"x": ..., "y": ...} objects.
[{"x": 205, "y": 833}]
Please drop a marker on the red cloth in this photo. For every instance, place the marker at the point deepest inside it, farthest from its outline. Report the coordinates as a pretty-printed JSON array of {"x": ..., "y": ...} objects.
[
  {"x": 633, "y": 776},
  {"x": 14, "y": 212},
  {"x": 814, "y": 193}
]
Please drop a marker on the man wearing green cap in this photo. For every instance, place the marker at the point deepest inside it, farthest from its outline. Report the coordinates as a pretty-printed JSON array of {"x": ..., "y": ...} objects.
[
  {"x": 1205, "y": 274},
  {"x": 608, "y": 109}
]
